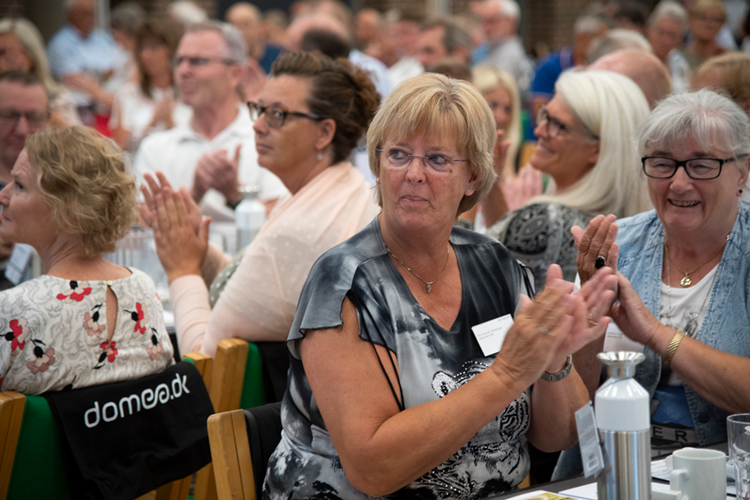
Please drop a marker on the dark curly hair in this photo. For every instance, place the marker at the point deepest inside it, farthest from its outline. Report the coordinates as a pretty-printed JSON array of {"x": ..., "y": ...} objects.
[{"x": 339, "y": 91}]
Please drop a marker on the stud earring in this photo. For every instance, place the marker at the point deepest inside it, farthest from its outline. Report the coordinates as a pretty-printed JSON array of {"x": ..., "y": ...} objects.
[
  {"x": 320, "y": 156},
  {"x": 469, "y": 191},
  {"x": 740, "y": 191}
]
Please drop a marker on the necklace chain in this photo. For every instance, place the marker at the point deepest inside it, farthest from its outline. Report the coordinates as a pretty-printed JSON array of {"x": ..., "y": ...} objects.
[
  {"x": 669, "y": 290},
  {"x": 686, "y": 281},
  {"x": 427, "y": 283}
]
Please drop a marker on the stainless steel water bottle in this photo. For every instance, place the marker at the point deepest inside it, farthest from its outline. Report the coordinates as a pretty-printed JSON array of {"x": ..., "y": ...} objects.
[{"x": 624, "y": 422}]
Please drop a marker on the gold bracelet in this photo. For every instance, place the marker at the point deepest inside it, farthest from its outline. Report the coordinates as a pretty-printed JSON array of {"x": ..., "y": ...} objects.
[{"x": 667, "y": 357}]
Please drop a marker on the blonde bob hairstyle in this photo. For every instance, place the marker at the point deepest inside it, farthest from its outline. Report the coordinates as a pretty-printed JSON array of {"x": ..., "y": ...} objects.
[
  {"x": 436, "y": 105},
  {"x": 611, "y": 106},
  {"x": 488, "y": 79},
  {"x": 83, "y": 178},
  {"x": 731, "y": 74}
]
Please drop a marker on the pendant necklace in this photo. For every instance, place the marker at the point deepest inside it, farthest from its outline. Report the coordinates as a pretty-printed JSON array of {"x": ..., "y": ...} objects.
[
  {"x": 686, "y": 281},
  {"x": 427, "y": 283},
  {"x": 670, "y": 312}
]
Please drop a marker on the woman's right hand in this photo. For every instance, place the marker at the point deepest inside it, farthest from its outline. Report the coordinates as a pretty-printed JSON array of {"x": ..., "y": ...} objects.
[
  {"x": 522, "y": 188},
  {"x": 147, "y": 210},
  {"x": 597, "y": 241}
]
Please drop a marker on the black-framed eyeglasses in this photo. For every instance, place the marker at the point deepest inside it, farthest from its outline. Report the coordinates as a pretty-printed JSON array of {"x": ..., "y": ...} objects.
[
  {"x": 555, "y": 126},
  {"x": 276, "y": 116},
  {"x": 398, "y": 158},
  {"x": 701, "y": 169},
  {"x": 195, "y": 62},
  {"x": 35, "y": 119}
]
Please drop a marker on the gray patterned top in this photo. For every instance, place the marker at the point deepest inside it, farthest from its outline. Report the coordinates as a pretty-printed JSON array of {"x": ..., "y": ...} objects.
[{"x": 432, "y": 363}]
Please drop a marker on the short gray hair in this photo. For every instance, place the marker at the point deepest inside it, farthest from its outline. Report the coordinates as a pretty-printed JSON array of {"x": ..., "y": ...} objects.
[
  {"x": 614, "y": 40},
  {"x": 236, "y": 47},
  {"x": 713, "y": 120},
  {"x": 671, "y": 10}
]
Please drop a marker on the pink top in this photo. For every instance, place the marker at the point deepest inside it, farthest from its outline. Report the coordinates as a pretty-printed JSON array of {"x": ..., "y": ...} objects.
[{"x": 259, "y": 300}]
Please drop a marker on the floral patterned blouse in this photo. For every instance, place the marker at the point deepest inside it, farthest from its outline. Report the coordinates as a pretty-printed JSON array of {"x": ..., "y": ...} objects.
[{"x": 54, "y": 334}]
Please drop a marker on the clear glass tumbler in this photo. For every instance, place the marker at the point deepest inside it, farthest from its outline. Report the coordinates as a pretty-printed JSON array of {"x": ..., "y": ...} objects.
[{"x": 738, "y": 440}]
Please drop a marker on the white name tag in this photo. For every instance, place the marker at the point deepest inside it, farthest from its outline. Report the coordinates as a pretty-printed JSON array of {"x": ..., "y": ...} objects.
[
  {"x": 588, "y": 438},
  {"x": 616, "y": 340},
  {"x": 491, "y": 334}
]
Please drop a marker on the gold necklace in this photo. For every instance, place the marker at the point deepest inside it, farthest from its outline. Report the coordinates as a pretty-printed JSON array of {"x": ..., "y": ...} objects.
[
  {"x": 427, "y": 283},
  {"x": 686, "y": 281}
]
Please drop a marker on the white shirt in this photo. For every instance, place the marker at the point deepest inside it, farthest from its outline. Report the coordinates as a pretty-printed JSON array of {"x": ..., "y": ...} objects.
[
  {"x": 133, "y": 111},
  {"x": 404, "y": 69},
  {"x": 378, "y": 71},
  {"x": 176, "y": 152}
]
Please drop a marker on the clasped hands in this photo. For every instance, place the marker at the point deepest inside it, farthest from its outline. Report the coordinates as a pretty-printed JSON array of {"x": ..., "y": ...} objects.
[
  {"x": 597, "y": 242},
  {"x": 217, "y": 170},
  {"x": 180, "y": 232}
]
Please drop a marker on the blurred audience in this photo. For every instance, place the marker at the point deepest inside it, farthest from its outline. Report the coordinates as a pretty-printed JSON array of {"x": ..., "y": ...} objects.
[
  {"x": 214, "y": 153},
  {"x": 273, "y": 27},
  {"x": 706, "y": 19},
  {"x": 505, "y": 51},
  {"x": 185, "y": 13},
  {"x": 666, "y": 30},
  {"x": 85, "y": 321},
  {"x": 401, "y": 40},
  {"x": 614, "y": 40},
  {"x": 644, "y": 68},
  {"x": 125, "y": 20},
  {"x": 325, "y": 42},
  {"x": 22, "y": 48},
  {"x": 587, "y": 28},
  {"x": 452, "y": 68},
  {"x": 85, "y": 58},
  {"x": 149, "y": 104},
  {"x": 328, "y": 16},
  {"x": 368, "y": 26},
  {"x": 441, "y": 38},
  {"x": 247, "y": 18}
]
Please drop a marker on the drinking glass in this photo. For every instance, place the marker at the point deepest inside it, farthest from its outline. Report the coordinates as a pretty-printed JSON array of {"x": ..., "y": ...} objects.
[{"x": 738, "y": 438}]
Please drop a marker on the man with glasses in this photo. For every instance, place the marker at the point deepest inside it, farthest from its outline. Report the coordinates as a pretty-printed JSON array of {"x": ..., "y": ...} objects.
[
  {"x": 214, "y": 153},
  {"x": 23, "y": 111}
]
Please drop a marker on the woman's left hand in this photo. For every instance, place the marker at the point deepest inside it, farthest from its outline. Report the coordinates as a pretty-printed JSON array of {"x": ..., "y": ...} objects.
[
  {"x": 180, "y": 250},
  {"x": 636, "y": 321},
  {"x": 592, "y": 303}
]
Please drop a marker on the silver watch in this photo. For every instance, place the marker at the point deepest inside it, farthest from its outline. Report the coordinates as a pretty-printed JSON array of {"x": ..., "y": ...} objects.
[{"x": 556, "y": 377}]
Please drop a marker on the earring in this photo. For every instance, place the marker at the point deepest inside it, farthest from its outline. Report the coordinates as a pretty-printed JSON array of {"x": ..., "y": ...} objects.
[
  {"x": 469, "y": 191},
  {"x": 320, "y": 156}
]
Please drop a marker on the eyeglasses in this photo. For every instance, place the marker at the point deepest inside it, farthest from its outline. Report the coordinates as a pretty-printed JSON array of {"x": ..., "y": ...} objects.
[
  {"x": 275, "y": 116},
  {"x": 555, "y": 126},
  {"x": 397, "y": 158},
  {"x": 701, "y": 169},
  {"x": 34, "y": 118},
  {"x": 196, "y": 62}
]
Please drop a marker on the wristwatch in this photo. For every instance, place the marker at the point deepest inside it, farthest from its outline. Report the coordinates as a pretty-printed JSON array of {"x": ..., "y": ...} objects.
[{"x": 556, "y": 377}]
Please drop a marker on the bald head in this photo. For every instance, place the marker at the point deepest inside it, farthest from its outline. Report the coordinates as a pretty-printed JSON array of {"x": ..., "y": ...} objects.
[
  {"x": 318, "y": 21},
  {"x": 644, "y": 68}
]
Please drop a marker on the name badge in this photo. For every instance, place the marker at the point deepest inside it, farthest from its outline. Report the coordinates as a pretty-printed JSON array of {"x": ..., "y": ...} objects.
[
  {"x": 616, "y": 340},
  {"x": 491, "y": 334}
]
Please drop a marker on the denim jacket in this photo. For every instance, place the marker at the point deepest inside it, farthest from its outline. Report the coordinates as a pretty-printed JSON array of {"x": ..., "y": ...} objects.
[{"x": 726, "y": 326}]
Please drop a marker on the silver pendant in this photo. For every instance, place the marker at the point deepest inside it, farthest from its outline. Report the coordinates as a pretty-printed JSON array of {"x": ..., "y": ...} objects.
[{"x": 429, "y": 287}]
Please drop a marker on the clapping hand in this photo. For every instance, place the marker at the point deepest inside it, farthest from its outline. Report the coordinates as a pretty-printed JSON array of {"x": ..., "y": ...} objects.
[
  {"x": 596, "y": 243},
  {"x": 151, "y": 189},
  {"x": 216, "y": 170},
  {"x": 181, "y": 251},
  {"x": 522, "y": 188}
]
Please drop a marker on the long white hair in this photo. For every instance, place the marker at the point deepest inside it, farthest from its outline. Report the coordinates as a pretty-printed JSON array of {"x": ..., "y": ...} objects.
[{"x": 611, "y": 106}]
